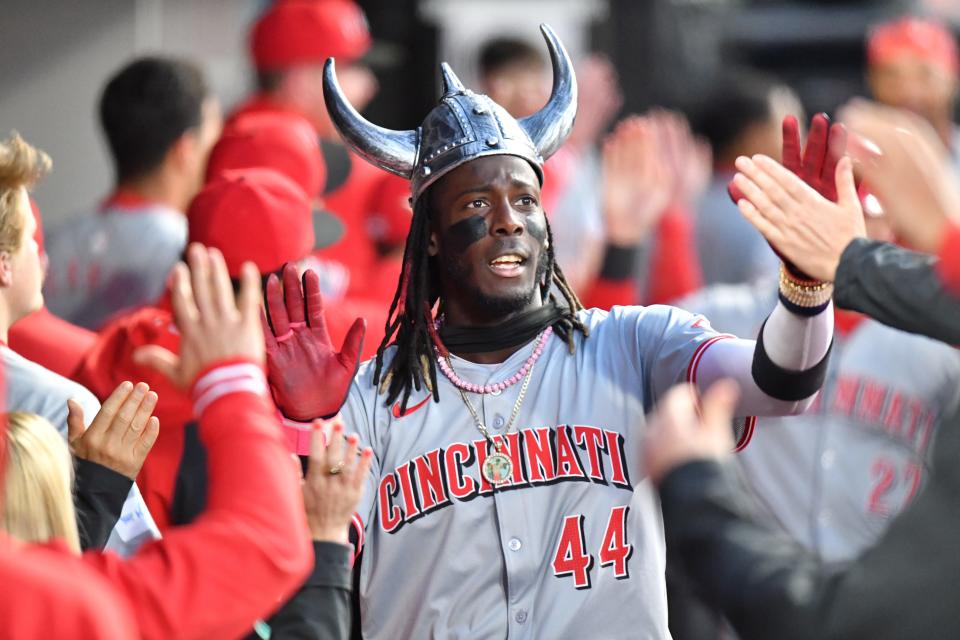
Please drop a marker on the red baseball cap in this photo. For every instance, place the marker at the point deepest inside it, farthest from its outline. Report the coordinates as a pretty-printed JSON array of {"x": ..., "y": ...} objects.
[
  {"x": 294, "y": 32},
  {"x": 283, "y": 141},
  {"x": 926, "y": 39},
  {"x": 389, "y": 219},
  {"x": 257, "y": 215}
]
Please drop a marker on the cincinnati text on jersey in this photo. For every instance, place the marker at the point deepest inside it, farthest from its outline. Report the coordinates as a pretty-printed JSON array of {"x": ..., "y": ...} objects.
[
  {"x": 540, "y": 456},
  {"x": 908, "y": 420}
]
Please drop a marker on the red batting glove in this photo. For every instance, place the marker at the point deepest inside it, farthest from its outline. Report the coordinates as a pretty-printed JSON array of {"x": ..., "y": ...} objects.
[
  {"x": 826, "y": 144},
  {"x": 309, "y": 380},
  {"x": 816, "y": 164}
]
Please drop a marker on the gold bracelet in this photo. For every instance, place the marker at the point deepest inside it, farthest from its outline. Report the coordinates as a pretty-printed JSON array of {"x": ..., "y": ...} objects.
[{"x": 804, "y": 294}]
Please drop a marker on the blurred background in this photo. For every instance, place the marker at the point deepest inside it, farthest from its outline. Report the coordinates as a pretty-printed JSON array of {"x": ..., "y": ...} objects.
[{"x": 57, "y": 55}]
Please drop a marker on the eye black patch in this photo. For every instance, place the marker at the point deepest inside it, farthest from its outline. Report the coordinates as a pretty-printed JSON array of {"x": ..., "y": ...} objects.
[
  {"x": 537, "y": 228},
  {"x": 464, "y": 233}
]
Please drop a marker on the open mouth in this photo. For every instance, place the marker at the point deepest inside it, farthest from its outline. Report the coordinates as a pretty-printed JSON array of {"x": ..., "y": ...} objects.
[{"x": 508, "y": 265}]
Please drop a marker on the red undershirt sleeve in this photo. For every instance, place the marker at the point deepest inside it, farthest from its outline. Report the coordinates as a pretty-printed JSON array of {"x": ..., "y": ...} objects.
[
  {"x": 250, "y": 549},
  {"x": 674, "y": 266}
]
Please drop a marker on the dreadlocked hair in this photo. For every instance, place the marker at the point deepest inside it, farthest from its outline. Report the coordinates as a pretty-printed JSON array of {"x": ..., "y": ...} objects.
[{"x": 410, "y": 323}]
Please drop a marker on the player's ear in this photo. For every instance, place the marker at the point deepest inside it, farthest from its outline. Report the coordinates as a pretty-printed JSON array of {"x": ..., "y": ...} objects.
[
  {"x": 432, "y": 248},
  {"x": 180, "y": 152},
  {"x": 6, "y": 269}
]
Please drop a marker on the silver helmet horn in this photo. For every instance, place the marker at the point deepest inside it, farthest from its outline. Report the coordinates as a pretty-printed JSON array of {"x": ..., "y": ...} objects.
[{"x": 462, "y": 127}]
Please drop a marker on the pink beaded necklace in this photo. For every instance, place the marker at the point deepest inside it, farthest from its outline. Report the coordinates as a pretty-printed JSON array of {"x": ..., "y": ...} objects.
[{"x": 447, "y": 368}]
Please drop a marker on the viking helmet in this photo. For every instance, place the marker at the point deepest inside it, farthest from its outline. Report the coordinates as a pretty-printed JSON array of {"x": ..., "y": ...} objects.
[{"x": 463, "y": 127}]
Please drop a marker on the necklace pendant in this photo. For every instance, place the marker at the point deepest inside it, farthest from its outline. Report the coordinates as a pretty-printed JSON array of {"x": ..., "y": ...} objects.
[{"x": 497, "y": 469}]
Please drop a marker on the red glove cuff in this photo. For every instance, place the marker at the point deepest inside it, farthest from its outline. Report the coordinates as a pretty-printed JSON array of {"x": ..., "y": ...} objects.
[{"x": 297, "y": 435}]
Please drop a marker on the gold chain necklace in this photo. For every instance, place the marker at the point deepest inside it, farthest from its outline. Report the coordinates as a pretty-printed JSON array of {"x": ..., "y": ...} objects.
[{"x": 497, "y": 467}]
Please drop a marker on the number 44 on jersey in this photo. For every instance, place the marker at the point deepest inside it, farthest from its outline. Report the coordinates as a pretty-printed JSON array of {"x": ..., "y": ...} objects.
[{"x": 572, "y": 558}]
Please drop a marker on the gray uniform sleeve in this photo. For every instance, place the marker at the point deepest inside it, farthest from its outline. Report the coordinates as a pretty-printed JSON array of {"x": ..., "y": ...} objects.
[
  {"x": 677, "y": 346},
  {"x": 897, "y": 287},
  {"x": 738, "y": 309},
  {"x": 663, "y": 344}
]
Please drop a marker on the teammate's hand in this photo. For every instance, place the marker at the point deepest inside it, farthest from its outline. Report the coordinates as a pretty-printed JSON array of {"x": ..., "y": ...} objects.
[
  {"x": 636, "y": 182},
  {"x": 907, "y": 167},
  {"x": 688, "y": 158},
  {"x": 599, "y": 98},
  {"x": 815, "y": 164},
  {"x": 678, "y": 433},
  {"x": 214, "y": 325},
  {"x": 334, "y": 484},
  {"x": 803, "y": 226},
  {"x": 122, "y": 433},
  {"x": 308, "y": 378}
]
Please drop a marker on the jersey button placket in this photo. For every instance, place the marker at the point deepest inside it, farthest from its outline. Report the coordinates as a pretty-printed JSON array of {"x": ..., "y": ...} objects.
[{"x": 511, "y": 521}]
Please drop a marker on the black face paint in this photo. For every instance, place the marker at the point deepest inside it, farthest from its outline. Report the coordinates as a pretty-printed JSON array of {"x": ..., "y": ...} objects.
[
  {"x": 464, "y": 233},
  {"x": 537, "y": 228}
]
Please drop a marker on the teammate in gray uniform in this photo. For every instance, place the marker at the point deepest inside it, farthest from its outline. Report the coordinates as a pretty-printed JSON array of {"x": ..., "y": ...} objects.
[
  {"x": 160, "y": 121},
  {"x": 502, "y": 499},
  {"x": 29, "y": 386},
  {"x": 34, "y": 389},
  {"x": 836, "y": 476}
]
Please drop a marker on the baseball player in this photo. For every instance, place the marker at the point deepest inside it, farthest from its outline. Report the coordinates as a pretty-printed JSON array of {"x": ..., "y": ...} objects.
[
  {"x": 160, "y": 121},
  {"x": 836, "y": 476},
  {"x": 288, "y": 45},
  {"x": 913, "y": 63},
  {"x": 28, "y": 386},
  {"x": 504, "y": 499}
]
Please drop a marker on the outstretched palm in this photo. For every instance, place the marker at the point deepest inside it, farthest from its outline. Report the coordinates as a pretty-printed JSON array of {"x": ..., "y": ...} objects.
[
  {"x": 309, "y": 379},
  {"x": 815, "y": 164}
]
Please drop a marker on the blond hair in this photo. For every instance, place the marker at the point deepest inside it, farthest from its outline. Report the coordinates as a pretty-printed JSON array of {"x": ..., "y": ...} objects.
[
  {"x": 38, "y": 497},
  {"x": 21, "y": 166}
]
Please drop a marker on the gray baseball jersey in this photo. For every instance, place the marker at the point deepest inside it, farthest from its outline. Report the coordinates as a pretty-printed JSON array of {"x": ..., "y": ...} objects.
[
  {"x": 572, "y": 545},
  {"x": 111, "y": 260},
  {"x": 834, "y": 477},
  {"x": 34, "y": 389}
]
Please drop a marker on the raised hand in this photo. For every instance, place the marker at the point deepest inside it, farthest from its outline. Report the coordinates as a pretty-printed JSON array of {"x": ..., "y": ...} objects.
[
  {"x": 799, "y": 223},
  {"x": 688, "y": 159},
  {"x": 308, "y": 378},
  {"x": 907, "y": 167},
  {"x": 334, "y": 484},
  {"x": 636, "y": 181},
  {"x": 679, "y": 433},
  {"x": 815, "y": 164},
  {"x": 214, "y": 325},
  {"x": 599, "y": 99},
  {"x": 122, "y": 433},
  {"x": 649, "y": 163}
]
